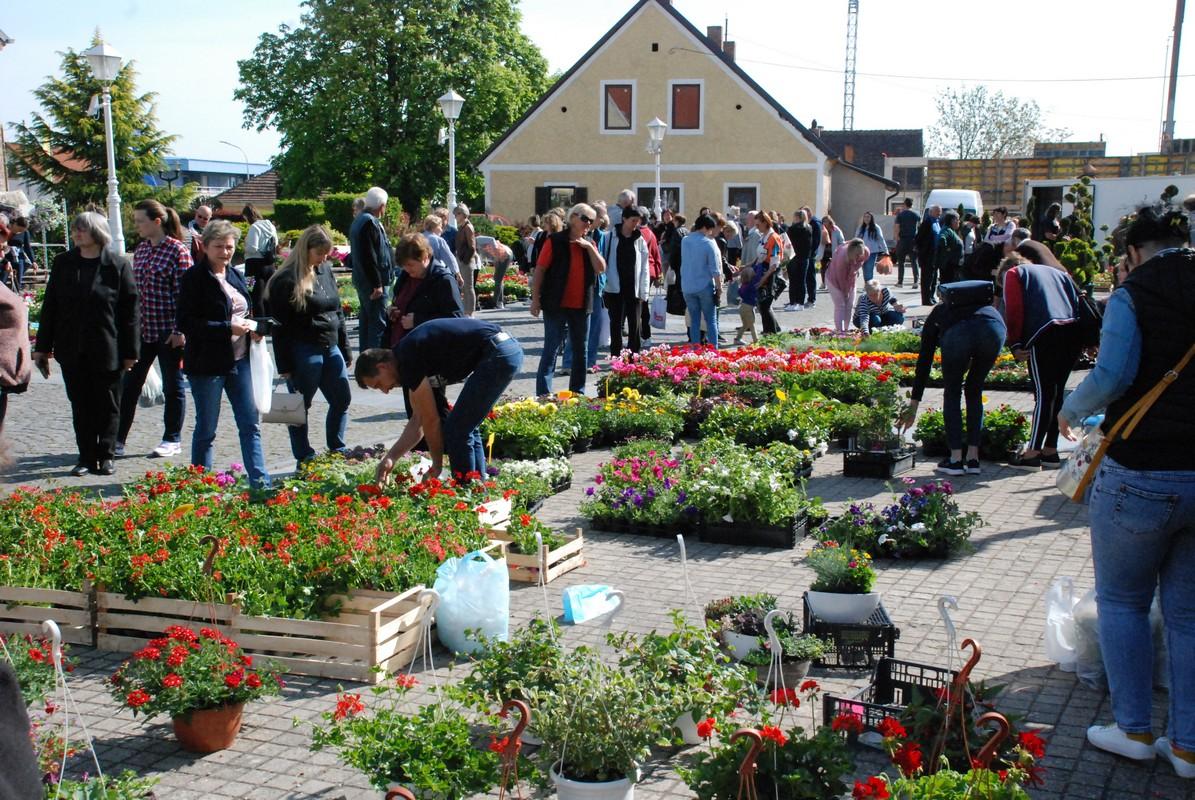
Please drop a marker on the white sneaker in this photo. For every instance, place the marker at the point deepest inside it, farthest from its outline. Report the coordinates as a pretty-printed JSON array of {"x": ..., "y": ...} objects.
[
  {"x": 790, "y": 307},
  {"x": 166, "y": 450},
  {"x": 119, "y": 449},
  {"x": 1114, "y": 740},
  {"x": 1185, "y": 769}
]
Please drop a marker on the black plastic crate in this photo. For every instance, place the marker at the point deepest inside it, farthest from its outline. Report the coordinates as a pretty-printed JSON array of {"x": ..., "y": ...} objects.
[
  {"x": 878, "y": 464},
  {"x": 891, "y": 690},
  {"x": 855, "y": 645},
  {"x": 747, "y": 535}
]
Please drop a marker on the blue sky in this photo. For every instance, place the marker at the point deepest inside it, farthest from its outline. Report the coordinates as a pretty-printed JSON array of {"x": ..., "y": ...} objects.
[{"x": 188, "y": 53}]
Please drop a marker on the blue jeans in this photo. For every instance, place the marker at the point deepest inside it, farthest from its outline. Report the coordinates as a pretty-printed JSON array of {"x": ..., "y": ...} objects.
[
  {"x": 371, "y": 321},
  {"x": 701, "y": 305},
  {"x": 556, "y": 321},
  {"x": 886, "y": 319},
  {"x": 205, "y": 390},
  {"x": 969, "y": 350},
  {"x": 462, "y": 440},
  {"x": 595, "y": 333},
  {"x": 869, "y": 266},
  {"x": 320, "y": 368},
  {"x": 170, "y": 361},
  {"x": 1143, "y": 535}
]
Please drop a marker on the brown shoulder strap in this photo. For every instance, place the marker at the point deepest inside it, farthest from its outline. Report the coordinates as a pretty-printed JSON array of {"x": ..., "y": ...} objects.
[{"x": 1138, "y": 410}]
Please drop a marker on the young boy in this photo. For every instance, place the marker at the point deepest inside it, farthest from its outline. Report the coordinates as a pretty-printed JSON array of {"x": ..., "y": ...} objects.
[{"x": 748, "y": 293}]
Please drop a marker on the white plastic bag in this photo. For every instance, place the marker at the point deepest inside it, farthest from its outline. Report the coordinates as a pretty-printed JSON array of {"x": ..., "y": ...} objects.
[
  {"x": 261, "y": 375},
  {"x": 152, "y": 393},
  {"x": 474, "y": 596},
  {"x": 659, "y": 312},
  {"x": 1089, "y": 661},
  {"x": 603, "y": 327},
  {"x": 1060, "y": 623}
]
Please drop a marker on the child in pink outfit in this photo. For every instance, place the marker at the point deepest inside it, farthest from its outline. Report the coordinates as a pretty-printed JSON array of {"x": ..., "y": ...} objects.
[{"x": 841, "y": 277}]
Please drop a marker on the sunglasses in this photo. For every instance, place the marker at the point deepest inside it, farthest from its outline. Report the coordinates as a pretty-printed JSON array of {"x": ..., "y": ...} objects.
[{"x": 585, "y": 219}]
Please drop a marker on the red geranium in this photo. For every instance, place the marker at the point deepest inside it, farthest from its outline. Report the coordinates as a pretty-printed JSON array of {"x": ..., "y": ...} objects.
[
  {"x": 137, "y": 698},
  {"x": 873, "y": 787},
  {"x": 847, "y": 723},
  {"x": 172, "y": 681},
  {"x": 348, "y": 705},
  {"x": 1033, "y": 744},
  {"x": 771, "y": 733},
  {"x": 706, "y": 728},
  {"x": 890, "y": 728},
  {"x": 810, "y": 686},
  {"x": 907, "y": 758}
]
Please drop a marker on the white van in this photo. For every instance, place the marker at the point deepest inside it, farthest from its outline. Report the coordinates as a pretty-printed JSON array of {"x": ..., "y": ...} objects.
[{"x": 951, "y": 199}]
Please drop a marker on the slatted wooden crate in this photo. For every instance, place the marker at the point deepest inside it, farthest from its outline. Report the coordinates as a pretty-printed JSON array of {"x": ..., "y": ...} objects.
[
  {"x": 23, "y": 610},
  {"x": 527, "y": 568},
  {"x": 373, "y": 629}
]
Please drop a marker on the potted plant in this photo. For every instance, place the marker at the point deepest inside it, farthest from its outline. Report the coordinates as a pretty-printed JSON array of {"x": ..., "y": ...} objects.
[
  {"x": 739, "y": 621},
  {"x": 798, "y": 651},
  {"x": 432, "y": 750},
  {"x": 598, "y": 726},
  {"x": 924, "y": 521},
  {"x": 877, "y": 451},
  {"x": 201, "y": 680},
  {"x": 842, "y": 590},
  {"x": 695, "y": 678}
]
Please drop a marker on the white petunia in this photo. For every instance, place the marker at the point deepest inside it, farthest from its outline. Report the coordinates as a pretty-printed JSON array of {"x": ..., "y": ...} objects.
[
  {"x": 728, "y": 518},
  {"x": 792, "y": 434},
  {"x": 919, "y": 527},
  {"x": 884, "y": 539}
]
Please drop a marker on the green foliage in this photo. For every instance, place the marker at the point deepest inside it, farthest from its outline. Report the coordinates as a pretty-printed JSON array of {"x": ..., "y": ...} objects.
[
  {"x": 528, "y": 429},
  {"x": 630, "y": 414},
  {"x": 339, "y": 210},
  {"x": 729, "y": 483},
  {"x": 1077, "y": 248},
  {"x": 297, "y": 214},
  {"x": 948, "y": 785},
  {"x": 32, "y": 662},
  {"x": 795, "y": 420},
  {"x": 890, "y": 342},
  {"x": 63, "y": 127},
  {"x": 803, "y": 768},
  {"x": 840, "y": 568},
  {"x": 1005, "y": 429},
  {"x": 125, "y": 786},
  {"x": 393, "y": 58},
  {"x": 532, "y": 661},
  {"x": 794, "y": 647},
  {"x": 726, "y": 607},
  {"x": 522, "y": 529},
  {"x": 925, "y": 521},
  {"x": 848, "y": 387}
]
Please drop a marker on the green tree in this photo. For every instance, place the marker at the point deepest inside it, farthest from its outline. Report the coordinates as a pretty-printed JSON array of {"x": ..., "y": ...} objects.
[
  {"x": 353, "y": 92},
  {"x": 63, "y": 128},
  {"x": 973, "y": 123}
]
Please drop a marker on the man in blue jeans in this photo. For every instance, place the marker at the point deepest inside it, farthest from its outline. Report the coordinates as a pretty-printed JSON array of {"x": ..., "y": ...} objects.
[
  {"x": 434, "y": 355},
  {"x": 373, "y": 268},
  {"x": 562, "y": 287},
  {"x": 701, "y": 279}
]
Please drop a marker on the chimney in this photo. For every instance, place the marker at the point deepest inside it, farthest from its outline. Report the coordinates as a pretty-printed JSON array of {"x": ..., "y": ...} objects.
[
  {"x": 815, "y": 128},
  {"x": 714, "y": 34},
  {"x": 848, "y": 152},
  {"x": 728, "y": 49}
]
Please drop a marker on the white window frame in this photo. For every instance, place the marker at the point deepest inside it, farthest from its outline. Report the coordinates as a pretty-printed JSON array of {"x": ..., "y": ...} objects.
[
  {"x": 634, "y": 129},
  {"x": 680, "y": 193},
  {"x": 726, "y": 187},
  {"x": 700, "y": 129}
]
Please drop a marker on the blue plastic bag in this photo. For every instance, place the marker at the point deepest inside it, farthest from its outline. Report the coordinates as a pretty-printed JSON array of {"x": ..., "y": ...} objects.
[
  {"x": 587, "y": 601},
  {"x": 475, "y": 596}
]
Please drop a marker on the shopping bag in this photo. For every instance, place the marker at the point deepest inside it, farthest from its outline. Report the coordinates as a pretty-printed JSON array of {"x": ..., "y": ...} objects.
[
  {"x": 659, "y": 312},
  {"x": 286, "y": 408},
  {"x": 474, "y": 596},
  {"x": 884, "y": 264},
  {"x": 1073, "y": 478},
  {"x": 1060, "y": 623},
  {"x": 603, "y": 326},
  {"x": 151, "y": 391},
  {"x": 261, "y": 375}
]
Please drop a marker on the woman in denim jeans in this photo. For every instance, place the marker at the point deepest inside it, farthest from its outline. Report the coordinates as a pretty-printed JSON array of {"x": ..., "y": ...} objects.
[
  {"x": 1143, "y": 497},
  {"x": 213, "y": 315},
  {"x": 311, "y": 347},
  {"x": 971, "y": 337}
]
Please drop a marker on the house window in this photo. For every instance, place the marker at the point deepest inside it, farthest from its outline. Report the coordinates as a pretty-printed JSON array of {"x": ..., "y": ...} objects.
[
  {"x": 558, "y": 195},
  {"x": 686, "y": 107},
  {"x": 744, "y": 198},
  {"x": 618, "y": 110},
  {"x": 671, "y": 197},
  {"x": 911, "y": 179}
]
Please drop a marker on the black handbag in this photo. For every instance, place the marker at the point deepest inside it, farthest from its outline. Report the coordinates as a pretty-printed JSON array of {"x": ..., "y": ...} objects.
[
  {"x": 675, "y": 301},
  {"x": 1090, "y": 320}
]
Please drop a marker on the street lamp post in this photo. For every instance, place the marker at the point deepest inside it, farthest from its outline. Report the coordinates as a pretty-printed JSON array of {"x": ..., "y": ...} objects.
[
  {"x": 450, "y": 106},
  {"x": 243, "y": 155},
  {"x": 655, "y": 144},
  {"x": 105, "y": 65}
]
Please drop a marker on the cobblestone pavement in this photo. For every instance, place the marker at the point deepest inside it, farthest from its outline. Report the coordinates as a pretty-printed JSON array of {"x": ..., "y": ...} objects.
[{"x": 1033, "y": 535}]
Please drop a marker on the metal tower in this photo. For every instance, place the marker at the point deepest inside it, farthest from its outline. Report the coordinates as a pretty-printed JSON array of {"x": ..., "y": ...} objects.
[{"x": 848, "y": 82}]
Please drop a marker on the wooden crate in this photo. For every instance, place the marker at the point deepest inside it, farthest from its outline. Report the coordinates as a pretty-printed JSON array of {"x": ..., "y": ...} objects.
[
  {"x": 23, "y": 610},
  {"x": 373, "y": 629},
  {"x": 527, "y": 568}
]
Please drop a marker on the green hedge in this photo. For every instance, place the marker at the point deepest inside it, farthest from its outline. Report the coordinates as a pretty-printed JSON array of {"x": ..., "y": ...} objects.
[
  {"x": 297, "y": 214},
  {"x": 338, "y": 210}
]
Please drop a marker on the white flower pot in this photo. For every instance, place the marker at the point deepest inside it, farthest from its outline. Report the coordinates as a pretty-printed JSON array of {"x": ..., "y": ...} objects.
[
  {"x": 566, "y": 789},
  {"x": 739, "y": 644},
  {"x": 688, "y": 728},
  {"x": 843, "y": 608}
]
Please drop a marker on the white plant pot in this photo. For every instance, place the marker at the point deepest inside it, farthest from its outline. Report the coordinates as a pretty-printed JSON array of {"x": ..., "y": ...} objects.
[
  {"x": 688, "y": 728},
  {"x": 739, "y": 644},
  {"x": 621, "y": 789},
  {"x": 843, "y": 608}
]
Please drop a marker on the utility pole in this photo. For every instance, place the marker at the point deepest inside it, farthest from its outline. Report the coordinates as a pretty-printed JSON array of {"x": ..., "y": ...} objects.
[
  {"x": 848, "y": 83},
  {"x": 1180, "y": 8}
]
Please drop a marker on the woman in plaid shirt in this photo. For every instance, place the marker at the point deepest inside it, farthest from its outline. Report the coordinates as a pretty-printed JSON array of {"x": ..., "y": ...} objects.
[{"x": 159, "y": 262}]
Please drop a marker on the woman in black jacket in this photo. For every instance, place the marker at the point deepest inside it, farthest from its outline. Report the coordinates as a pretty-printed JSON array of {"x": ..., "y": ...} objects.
[
  {"x": 214, "y": 316},
  {"x": 89, "y": 323},
  {"x": 311, "y": 348}
]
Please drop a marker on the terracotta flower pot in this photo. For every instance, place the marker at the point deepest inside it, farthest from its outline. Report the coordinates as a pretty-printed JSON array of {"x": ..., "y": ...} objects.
[{"x": 209, "y": 730}]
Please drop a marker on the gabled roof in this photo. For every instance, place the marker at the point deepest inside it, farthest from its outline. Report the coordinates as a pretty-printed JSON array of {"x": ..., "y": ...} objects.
[
  {"x": 870, "y": 147},
  {"x": 714, "y": 50},
  {"x": 260, "y": 190},
  {"x": 66, "y": 159}
]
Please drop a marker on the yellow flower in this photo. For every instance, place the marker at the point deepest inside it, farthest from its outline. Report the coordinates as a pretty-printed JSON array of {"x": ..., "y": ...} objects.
[{"x": 781, "y": 395}]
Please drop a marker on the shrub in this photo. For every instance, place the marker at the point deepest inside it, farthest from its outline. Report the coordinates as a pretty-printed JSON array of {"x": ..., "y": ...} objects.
[
  {"x": 297, "y": 214},
  {"x": 338, "y": 207}
]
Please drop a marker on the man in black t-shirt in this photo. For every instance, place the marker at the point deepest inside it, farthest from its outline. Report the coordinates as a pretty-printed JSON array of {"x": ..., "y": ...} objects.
[
  {"x": 906, "y": 242},
  {"x": 434, "y": 355}
]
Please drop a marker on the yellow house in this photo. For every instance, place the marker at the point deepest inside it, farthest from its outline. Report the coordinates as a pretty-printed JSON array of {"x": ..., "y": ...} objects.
[{"x": 728, "y": 142}]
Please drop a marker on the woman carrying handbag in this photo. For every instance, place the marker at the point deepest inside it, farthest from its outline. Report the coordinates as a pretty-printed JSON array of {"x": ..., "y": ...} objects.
[{"x": 1143, "y": 492}]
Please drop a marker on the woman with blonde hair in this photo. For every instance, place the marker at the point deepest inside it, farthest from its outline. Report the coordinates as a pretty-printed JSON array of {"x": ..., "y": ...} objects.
[
  {"x": 841, "y": 278},
  {"x": 311, "y": 347}
]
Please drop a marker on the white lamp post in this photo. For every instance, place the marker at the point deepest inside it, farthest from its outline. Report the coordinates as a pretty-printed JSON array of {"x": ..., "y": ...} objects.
[
  {"x": 451, "y": 104},
  {"x": 655, "y": 144},
  {"x": 244, "y": 155},
  {"x": 105, "y": 65}
]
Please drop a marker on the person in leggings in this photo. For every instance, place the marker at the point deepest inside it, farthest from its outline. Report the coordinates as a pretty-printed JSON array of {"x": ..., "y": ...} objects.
[
  {"x": 1040, "y": 309},
  {"x": 971, "y": 337},
  {"x": 767, "y": 261}
]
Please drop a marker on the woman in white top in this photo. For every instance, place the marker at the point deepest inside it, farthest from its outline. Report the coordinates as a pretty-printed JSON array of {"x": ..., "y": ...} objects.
[
  {"x": 261, "y": 244},
  {"x": 1002, "y": 228},
  {"x": 873, "y": 237},
  {"x": 628, "y": 274}
]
